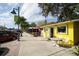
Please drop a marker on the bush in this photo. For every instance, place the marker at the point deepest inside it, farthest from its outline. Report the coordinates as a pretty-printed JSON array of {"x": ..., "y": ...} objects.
[
  {"x": 76, "y": 51},
  {"x": 49, "y": 39},
  {"x": 65, "y": 44}
]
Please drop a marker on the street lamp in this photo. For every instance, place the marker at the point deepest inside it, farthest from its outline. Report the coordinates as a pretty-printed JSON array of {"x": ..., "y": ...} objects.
[{"x": 14, "y": 12}]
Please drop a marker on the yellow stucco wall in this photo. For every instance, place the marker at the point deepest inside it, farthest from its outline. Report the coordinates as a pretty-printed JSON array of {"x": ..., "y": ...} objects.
[
  {"x": 69, "y": 36},
  {"x": 46, "y": 32}
]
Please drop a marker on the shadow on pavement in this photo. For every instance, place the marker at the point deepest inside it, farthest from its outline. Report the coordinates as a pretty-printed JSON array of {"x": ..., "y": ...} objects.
[
  {"x": 3, "y": 51},
  {"x": 6, "y": 41}
]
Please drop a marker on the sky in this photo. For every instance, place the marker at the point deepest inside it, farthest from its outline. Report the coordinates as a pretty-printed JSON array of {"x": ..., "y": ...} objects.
[
  {"x": 30, "y": 11},
  {"x": 6, "y": 18}
]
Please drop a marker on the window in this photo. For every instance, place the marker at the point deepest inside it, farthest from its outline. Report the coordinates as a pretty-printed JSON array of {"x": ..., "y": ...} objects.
[{"x": 62, "y": 29}]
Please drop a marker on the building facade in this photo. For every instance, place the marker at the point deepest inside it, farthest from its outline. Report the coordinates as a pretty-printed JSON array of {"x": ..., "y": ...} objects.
[{"x": 68, "y": 31}]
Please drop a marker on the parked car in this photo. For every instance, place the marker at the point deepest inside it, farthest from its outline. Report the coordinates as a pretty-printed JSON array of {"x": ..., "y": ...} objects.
[{"x": 7, "y": 36}]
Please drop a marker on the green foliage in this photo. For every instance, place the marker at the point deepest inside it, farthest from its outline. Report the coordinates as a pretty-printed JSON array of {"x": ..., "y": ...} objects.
[
  {"x": 3, "y": 28},
  {"x": 24, "y": 26},
  {"x": 63, "y": 43},
  {"x": 32, "y": 24},
  {"x": 49, "y": 39},
  {"x": 62, "y": 10},
  {"x": 46, "y": 8},
  {"x": 42, "y": 22},
  {"x": 76, "y": 51},
  {"x": 60, "y": 18},
  {"x": 19, "y": 20},
  {"x": 16, "y": 20},
  {"x": 22, "y": 22}
]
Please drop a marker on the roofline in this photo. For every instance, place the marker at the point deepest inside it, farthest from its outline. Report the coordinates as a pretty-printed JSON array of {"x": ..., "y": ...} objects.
[{"x": 60, "y": 23}]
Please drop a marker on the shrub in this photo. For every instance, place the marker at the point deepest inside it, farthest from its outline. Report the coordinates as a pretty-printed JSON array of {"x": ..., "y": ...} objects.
[
  {"x": 49, "y": 39},
  {"x": 65, "y": 44},
  {"x": 76, "y": 51}
]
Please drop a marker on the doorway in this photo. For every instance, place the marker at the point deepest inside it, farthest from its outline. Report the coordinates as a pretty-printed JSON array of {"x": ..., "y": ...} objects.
[{"x": 51, "y": 32}]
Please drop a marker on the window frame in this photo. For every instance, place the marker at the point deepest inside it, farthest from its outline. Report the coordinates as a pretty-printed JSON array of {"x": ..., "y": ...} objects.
[{"x": 63, "y": 32}]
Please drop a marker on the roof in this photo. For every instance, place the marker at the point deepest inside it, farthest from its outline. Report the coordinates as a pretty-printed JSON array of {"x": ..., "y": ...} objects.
[
  {"x": 53, "y": 24},
  {"x": 37, "y": 27},
  {"x": 48, "y": 23}
]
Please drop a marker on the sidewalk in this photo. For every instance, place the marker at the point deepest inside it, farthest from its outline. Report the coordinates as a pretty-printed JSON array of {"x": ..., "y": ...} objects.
[
  {"x": 35, "y": 46},
  {"x": 39, "y": 46},
  {"x": 13, "y": 46}
]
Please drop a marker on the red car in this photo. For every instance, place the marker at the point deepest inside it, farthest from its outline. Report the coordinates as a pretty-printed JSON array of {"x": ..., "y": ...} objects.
[{"x": 7, "y": 36}]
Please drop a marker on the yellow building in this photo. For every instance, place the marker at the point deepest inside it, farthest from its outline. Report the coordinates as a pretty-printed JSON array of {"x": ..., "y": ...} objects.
[{"x": 68, "y": 31}]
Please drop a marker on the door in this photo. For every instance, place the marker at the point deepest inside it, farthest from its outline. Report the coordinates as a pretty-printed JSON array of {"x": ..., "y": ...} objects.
[{"x": 51, "y": 32}]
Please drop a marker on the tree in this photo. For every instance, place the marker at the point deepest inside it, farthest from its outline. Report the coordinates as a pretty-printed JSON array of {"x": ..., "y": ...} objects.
[
  {"x": 62, "y": 10},
  {"x": 24, "y": 26},
  {"x": 21, "y": 22},
  {"x": 18, "y": 21},
  {"x": 42, "y": 22},
  {"x": 3, "y": 28},
  {"x": 32, "y": 24}
]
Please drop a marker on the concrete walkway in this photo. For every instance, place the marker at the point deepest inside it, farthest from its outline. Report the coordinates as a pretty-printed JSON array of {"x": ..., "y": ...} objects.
[
  {"x": 36, "y": 46},
  {"x": 13, "y": 46}
]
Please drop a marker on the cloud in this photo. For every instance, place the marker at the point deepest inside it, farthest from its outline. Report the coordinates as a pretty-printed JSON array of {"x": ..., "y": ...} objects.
[
  {"x": 32, "y": 12},
  {"x": 5, "y": 7},
  {"x": 36, "y": 18},
  {"x": 6, "y": 18},
  {"x": 5, "y": 15},
  {"x": 8, "y": 22}
]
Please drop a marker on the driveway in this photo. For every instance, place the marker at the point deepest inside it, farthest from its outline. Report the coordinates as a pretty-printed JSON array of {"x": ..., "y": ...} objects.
[{"x": 35, "y": 46}]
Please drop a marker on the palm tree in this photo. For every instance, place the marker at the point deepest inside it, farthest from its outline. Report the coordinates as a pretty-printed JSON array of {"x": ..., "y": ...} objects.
[
  {"x": 17, "y": 20},
  {"x": 21, "y": 22},
  {"x": 32, "y": 24},
  {"x": 24, "y": 26}
]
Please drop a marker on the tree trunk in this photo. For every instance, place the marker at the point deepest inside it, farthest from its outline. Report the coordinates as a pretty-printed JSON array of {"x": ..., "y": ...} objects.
[{"x": 18, "y": 26}]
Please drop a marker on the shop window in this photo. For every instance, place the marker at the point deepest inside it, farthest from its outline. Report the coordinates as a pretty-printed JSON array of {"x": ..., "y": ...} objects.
[{"x": 62, "y": 29}]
